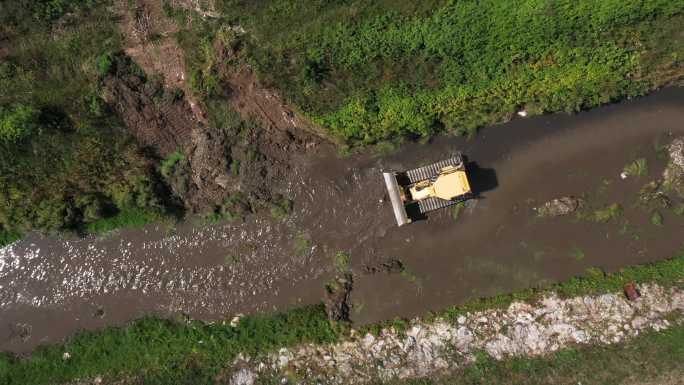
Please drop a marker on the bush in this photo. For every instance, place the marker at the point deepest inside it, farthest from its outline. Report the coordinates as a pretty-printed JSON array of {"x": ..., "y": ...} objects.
[
  {"x": 104, "y": 63},
  {"x": 130, "y": 218},
  {"x": 17, "y": 123},
  {"x": 610, "y": 212},
  {"x": 168, "y": 165}
]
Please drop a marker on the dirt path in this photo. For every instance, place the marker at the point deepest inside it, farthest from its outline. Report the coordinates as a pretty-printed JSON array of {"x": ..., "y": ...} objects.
[{"x": 51, "y": 287}]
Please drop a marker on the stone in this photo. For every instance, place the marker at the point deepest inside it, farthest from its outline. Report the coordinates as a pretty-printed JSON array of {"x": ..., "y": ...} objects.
[
  {"x": 243, "y": 376},
  {"x": 559, "y": 207},
  {"x": 523, "y": 329}
]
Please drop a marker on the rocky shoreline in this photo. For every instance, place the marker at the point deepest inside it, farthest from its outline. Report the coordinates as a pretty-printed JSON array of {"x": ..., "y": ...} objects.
[{"x": 440, "y": 346}]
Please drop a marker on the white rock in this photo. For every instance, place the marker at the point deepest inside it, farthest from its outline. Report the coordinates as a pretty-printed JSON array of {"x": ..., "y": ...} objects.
[
  {"x": 235, "y": 321},
  {"x": 243, "y": 376}
]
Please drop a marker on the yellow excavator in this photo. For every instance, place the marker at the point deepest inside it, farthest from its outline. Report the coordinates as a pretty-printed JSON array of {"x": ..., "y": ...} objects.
[{"x": 427, "y": 188}]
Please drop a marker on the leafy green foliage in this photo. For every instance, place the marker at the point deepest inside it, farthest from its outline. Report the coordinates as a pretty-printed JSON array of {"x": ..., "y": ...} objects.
[
  {"x": 371, "y": 71},
  {"x": 7, "y": 237},
  {"x": 17, "y": 123},
  {"x": 281, "y": 208},
  {"x": 639, "y": 167},
  {"x": 66, "y": 161},
  {"x": 657, "y": 218},
  {"x": 607, "y": 213},
  {"x": 130, "y": 218},
  {"x": 104, "y": 63},
  {"x": 342, "y": 261},
  {"x": 167, "y": 165}
]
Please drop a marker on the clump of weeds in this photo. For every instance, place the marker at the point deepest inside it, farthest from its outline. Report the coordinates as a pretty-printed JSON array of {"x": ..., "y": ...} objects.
[
  {"x": 607, "y": 213},
  {"x": 657, "y": 218},
  {"x": 638, "y": 167}
]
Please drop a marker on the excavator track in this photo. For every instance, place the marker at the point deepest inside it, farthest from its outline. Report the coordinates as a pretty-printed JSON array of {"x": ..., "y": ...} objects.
[
  {"x": 432, "y": 204},
  {"x": 432, "y": 170}
]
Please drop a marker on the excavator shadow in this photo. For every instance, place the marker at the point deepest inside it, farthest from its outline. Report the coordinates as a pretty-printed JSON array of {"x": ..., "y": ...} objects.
[{"x": 481, "y": 179}]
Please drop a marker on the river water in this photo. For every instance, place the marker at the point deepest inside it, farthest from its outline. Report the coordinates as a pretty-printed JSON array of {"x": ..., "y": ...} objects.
[{"x": 51, "y": 287}]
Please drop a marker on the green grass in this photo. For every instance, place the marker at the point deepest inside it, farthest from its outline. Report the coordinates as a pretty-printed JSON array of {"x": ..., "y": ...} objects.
[
  {"x": 371, "y": 71},
  {"x": 7, "y": 237},
  {"x": 342, "y": 261},
  {"x": 577, "y": 253},
  {"x": 639, "y": 167},
  {"x": 167, "y": 352},
  {"x": 457, "y": 210},
  {"x": 679, "y": 209},
  {"x": 648, "y": 358},
  {"x": 281, "y": 208},
  {"x": 130, "y": 218},
  {"x": 167, "y": 165},
  {"x": 302, "y": 243},
  {"x": 657, "y": 218},
  {"x": 607, "y": 213}
]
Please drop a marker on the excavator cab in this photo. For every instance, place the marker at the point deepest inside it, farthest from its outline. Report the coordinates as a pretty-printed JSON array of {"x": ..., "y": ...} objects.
[{"x": 430, "y": 187}]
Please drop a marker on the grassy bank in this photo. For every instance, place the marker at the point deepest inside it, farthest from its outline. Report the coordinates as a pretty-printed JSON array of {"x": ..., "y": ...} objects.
[
  {"x": 376, "y": 70},
  {"x": 650, "y": 358},
  {"x": 154, "y": 351},
  {"x": 66, "y": 161}
]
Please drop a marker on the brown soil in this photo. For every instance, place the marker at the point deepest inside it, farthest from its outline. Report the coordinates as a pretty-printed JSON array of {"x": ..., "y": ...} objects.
[
  {"x": 218, "y": 164},
  {"x": 253, "y": 101},
  {"x": 150, "y": 43}
]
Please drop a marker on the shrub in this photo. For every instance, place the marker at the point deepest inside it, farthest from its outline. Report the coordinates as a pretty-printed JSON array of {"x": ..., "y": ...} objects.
[
  {"x": 168, "y": 165},
  {"x": 342, "y": 261},
  {"x": 17, "y": 123},
  {"x": 281, "y": 208},
  {"x": 104, "y": 63},
  {"x": 607, "y": 213}
]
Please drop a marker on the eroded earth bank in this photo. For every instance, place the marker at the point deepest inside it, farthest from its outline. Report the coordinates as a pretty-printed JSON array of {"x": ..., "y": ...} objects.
[{"x": 341, "y": 221}]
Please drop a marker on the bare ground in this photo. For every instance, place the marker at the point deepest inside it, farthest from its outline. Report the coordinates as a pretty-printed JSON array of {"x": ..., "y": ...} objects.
[{"x": 217, "y": 163}]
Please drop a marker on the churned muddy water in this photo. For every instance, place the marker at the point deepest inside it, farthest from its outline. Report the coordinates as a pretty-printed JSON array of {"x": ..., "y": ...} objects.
[{"x": 51, "y": 287}]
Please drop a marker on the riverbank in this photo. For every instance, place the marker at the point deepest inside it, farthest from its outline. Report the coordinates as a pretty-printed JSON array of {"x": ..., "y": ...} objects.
[{"x": 155, "y": 351}]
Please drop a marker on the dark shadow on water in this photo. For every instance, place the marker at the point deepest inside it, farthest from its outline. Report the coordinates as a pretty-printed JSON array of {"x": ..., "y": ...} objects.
[{"x": 481, "y": 179}]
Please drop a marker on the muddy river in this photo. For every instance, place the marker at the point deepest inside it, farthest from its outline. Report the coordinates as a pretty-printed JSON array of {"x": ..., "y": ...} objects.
[{"x": 51, "y": 287}]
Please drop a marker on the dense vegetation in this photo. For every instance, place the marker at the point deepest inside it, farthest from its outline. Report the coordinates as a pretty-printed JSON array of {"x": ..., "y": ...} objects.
[
  {"x": 66, "y": 163},
  {"x": 154, "y": 351},
  {"x": 376, "y": 70}
]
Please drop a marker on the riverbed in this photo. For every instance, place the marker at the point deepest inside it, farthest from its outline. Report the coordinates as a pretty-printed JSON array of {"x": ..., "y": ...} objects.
[{"x": 51, "y": 287}]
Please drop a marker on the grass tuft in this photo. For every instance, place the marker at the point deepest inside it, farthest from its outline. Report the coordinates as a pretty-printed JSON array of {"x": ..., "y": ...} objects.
[
  {"x": 608, "y": 213},
  {"x": 638, "y": 167},
  {"x": 657, "y": 219}
]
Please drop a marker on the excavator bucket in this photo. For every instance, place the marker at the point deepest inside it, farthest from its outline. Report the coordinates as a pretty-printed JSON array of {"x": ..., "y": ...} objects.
[{"x": 395, "y": 197}]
